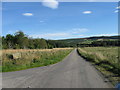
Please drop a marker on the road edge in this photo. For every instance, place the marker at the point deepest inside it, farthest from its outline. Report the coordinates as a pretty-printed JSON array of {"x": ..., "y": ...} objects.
[{"x": 98, "y": 71}]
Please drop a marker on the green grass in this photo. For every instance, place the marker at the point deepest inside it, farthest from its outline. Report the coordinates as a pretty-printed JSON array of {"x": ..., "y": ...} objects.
[
  {"x": 33, "y": 59},
  {"x": 106, "y": 59}
]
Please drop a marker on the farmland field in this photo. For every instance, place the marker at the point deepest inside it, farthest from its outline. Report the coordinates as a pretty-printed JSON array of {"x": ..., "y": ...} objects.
[
  {"x": 105, "y": 59},
  {"x": 13, "y": 60}
]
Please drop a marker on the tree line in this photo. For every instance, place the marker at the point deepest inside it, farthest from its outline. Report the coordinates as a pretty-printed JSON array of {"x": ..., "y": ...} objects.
[
  {"x": 101, "y": 43},
  {"x": 21, "y": 41}
]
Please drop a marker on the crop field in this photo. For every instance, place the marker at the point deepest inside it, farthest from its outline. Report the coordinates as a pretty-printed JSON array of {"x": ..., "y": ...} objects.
[
  {"x": 105, "y": 59},
  {"x": 14, "y": 60}
]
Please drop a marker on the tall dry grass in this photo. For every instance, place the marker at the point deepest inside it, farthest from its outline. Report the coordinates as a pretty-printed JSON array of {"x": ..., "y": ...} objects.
[
  {"x": 13, "y": 60},
  {"x": 106, "y": 59}
]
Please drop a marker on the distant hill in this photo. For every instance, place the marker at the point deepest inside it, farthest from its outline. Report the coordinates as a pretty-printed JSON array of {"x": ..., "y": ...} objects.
[
  {"x": 95, "y": 38},
  {"x": 104, "y": 37},
  {"x": 88, "y": 40}
]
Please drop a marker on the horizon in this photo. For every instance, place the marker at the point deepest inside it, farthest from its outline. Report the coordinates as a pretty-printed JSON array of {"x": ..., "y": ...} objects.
[
  {"x": 66, "y": 38},
  {"x": 61, "y": 20}
]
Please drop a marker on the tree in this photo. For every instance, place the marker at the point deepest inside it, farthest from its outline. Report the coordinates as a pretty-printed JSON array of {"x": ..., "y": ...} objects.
[
  {"x": 10, "y": 41},
  {"x": 21, "y": 39},
  {"x": 31, "y": 44}
]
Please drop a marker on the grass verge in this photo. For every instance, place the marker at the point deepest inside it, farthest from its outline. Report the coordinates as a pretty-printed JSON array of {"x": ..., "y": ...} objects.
[
  {"x": 105, "y": 59},
  {"x": 21, "y": 59}
]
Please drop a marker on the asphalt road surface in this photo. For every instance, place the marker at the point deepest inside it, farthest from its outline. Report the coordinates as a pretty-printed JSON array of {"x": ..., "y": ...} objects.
[{"x": 72, "y": 72}]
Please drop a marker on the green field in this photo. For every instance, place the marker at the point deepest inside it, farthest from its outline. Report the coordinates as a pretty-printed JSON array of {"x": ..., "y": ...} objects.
[
  {"x": 13, "y": 60},
  {"x": 105, "y": 59}
]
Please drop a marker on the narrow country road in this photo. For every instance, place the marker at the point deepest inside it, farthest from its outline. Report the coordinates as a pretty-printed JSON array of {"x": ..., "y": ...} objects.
[{"x": 72, "y": 72}]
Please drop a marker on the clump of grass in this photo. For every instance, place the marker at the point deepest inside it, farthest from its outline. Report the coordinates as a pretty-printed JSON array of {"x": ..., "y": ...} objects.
[
  {"x": 103, "y": 57},
  {"x": 30, "y": 59}
]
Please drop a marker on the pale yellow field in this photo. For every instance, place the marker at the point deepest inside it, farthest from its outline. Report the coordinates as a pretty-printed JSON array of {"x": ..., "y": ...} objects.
[{"x": 27, "y": 58}]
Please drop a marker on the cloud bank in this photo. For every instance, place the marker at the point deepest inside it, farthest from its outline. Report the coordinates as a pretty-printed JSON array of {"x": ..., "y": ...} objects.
[
  {"x": 107, "y": 34},
  {"x": 74, "y": 33}
]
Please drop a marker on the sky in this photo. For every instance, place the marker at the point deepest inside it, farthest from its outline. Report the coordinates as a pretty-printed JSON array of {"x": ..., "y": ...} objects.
[
  {"x": 60, "y": 20},
  {"x": 62, "y": 0}
]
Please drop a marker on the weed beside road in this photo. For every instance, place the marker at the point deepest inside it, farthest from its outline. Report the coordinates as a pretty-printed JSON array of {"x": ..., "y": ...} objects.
[
  {"x": 105, "y": 59},
  {"x": 14, "y": 60}
]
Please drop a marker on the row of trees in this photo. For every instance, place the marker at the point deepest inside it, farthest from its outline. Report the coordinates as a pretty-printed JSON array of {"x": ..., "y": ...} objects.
[
  {"x": 21, "y": 41},
  {"x": 106, "y": 43}
]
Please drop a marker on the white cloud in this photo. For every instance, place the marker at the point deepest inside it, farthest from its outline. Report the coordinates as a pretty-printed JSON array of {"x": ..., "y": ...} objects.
[
  {"x": 57, "y": 35},
  {"x": 41, "y": 21},
  {"x": 50, "y": 35},
  {"x": 116, "y": 11},
  {"x": 107, "y": 34},
  {"x": 87, "y": 12},
  {"x": 118, "y": 7},
  {"x": 74, "y": 33},
  {"x": 50, "y": 3},
  {"x": 27, "y": 14},
  {"x": 111, "y": 34},
  {"x": 92, "y": 0},
  {"x": 79, "y": 30},
  {"x": 62, "y": 0}
]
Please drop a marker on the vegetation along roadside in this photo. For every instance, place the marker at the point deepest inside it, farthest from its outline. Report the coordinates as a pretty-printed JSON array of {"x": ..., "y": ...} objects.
[
  {"x": 105, "y": 59},
  {"x": 14, "y": 60}
]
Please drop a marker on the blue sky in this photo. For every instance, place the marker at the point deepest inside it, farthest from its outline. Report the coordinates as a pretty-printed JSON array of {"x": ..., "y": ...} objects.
[{"x": 60, "y": 20}]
